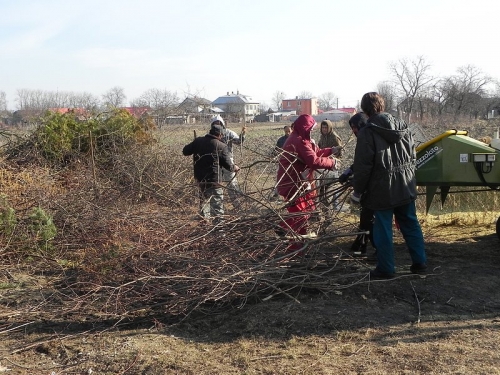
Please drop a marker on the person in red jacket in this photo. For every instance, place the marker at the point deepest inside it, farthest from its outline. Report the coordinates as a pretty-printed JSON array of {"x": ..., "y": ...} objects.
[{"x": 297, "y": 163}]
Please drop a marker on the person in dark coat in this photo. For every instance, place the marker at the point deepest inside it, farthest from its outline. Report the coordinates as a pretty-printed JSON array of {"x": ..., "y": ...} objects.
[
  {"x": 281, "y": 140},
  {"x": 358, "y": 247},
  {"x": 210, "y": 155},
  {"x": 384, "y": 181}
]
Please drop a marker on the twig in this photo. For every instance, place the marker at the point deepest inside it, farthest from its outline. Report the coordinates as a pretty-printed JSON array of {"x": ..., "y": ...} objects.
[
  {"x": 13, "y": 329},
  {"x": 418, "y": 301}
]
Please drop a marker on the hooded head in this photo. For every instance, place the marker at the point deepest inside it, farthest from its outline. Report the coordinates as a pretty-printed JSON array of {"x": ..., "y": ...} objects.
[
  {"x": 357, "y": 122},
  {"x": 328, "y": 125},
  {"x": 303, "y": 126},
  {"x": 218, "y": 120}
]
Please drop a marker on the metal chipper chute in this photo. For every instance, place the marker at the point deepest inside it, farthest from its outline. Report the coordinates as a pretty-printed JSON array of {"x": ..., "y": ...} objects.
[{"x": 454, "y": 159}]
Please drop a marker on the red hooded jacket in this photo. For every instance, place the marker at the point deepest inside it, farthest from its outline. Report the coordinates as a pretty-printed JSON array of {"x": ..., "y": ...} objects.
[{"x": 300, "y": 154}]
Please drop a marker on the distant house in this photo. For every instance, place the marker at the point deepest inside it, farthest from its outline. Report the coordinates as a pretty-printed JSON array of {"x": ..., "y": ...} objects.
[
  {"x": 338, "y": 114},
  {"x": 301, "y": 106},
  {"x": 268, "y": 117},
  {"x": 237, "y": 107},
  {"x": 194, "y": 104},
  {"x": 197, "y": 109},
  {"x": 137, "y": 112},
  {"x": 63, "y": 110}
]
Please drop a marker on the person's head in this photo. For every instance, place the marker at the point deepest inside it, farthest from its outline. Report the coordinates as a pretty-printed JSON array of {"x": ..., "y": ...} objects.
[
  {"x": 357, "y": 122},
  {"x": 326, "y": 127},
  {"x": 216, "y": 130},
  {"x": 287, "y": 129},
  {"x": 372, "y": 103},
  {"x": 217, "y": 120},
  {"x": 303, "y": 126}
]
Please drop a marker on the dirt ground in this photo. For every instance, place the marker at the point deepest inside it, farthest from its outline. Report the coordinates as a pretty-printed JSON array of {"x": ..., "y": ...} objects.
[{"x": 446, "y": 322}]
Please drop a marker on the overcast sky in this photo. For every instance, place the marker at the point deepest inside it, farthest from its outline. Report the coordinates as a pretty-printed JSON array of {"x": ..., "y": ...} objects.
[{"x": 210, "y": 47}]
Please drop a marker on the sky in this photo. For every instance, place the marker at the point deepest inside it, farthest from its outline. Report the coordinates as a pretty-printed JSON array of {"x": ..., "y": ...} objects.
[{"x": 259, "y": 47}]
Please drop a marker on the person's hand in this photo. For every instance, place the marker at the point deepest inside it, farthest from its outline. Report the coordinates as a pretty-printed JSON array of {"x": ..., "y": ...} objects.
[
  {"x": 244, "y": 129},
  {"x": 336, "y": 164},
  {"x": 336, "y": 150},
  {"x": 355, "y": 197},
  {"x": 345, "y": 176},
  {"x": 236, "y": 168}
]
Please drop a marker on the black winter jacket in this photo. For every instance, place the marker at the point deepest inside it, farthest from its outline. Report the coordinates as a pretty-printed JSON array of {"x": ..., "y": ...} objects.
[
  {"x": 209, "y": 155},
  {"x": 384, "y": 162}
]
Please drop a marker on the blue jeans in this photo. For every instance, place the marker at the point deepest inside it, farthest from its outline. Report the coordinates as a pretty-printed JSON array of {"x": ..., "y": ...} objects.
[{"x": 406, "y": 217}]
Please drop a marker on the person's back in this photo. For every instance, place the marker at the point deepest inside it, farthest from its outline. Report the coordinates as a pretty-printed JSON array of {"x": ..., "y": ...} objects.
[
  {"x": 391, "y": 181},
  {"x": 384, "y": 165},
  {"x": 209, "y": 153}
]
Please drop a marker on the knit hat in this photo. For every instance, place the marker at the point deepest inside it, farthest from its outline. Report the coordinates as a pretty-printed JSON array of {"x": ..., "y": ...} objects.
[
  {"x": 216, "y": 130},
  {"x": 358, "y": 121},
  {"x": 218, "y": 118}
]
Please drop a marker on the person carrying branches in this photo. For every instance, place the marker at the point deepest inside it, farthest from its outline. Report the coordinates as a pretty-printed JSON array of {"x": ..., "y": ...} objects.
[
  {"x": 210, "y": 155},
  {"x": 297, "y": 164},
  {"x": 359, "y": 246},
  {"x": 230, "y": 138},
  {"x": 384, "y": 181}
]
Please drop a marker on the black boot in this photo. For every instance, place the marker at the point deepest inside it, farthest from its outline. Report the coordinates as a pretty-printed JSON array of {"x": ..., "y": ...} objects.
[{"x": 358, "y": 247}]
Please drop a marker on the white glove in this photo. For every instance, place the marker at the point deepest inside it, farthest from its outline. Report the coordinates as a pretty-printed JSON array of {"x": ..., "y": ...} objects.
[
  {"x": 336, "y": 150},
  {"x": 336, "y": 164}
]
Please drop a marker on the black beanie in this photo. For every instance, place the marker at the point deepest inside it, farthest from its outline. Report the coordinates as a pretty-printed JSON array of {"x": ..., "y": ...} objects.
[{"x": 359, "y": 120}]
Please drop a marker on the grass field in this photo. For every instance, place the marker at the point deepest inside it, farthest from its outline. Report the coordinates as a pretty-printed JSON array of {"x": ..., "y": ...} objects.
[{"x": 132, "y": 284}]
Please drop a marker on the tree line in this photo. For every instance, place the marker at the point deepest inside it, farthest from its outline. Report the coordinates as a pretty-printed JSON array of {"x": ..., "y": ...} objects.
[{"x": 411, "y": 90}]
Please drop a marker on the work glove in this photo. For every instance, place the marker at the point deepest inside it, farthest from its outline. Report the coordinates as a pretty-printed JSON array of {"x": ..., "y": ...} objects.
[
  {"x": 355, "y": 197},
  {"x": 345, "y": 176},
  {"x": 336, "y": 150},
  {"x": 336, "y": 164}
]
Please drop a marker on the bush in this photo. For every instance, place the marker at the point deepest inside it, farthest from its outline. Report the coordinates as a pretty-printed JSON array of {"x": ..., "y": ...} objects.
[
  {"x": 42, "y": 228},
  {"x": 61, "y": 138},
  {"x": 7, "y": 216}
]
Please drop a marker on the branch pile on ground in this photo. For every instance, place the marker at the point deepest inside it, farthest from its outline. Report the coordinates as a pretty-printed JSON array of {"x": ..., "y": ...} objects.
[{"x": 130, "y": 242}]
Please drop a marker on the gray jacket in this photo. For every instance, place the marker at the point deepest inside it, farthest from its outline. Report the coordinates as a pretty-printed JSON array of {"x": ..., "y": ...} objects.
[{"x": 384, "y": 163}]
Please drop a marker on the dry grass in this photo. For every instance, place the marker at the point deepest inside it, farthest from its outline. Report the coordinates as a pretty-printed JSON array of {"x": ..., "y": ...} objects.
[{"x": 129, "y": 261}]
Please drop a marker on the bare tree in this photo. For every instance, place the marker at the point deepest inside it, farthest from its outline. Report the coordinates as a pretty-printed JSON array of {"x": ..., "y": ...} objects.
[
  {"x": 3, "y": 101},
  {"x": 388, "y": 91},
  {"x": 84, "y": 100},
  {"x": 277, "y": 100},
  {"x": 305, "y": 95},
  {"x": 264, "y": 108},
  {"x": 327, "y": 101},
  {"x": 467, "y": 89},
  {"x": 163, "y": 103},
  {"x": 411, "y": 78},
  {"x": 114, "y": 97}
]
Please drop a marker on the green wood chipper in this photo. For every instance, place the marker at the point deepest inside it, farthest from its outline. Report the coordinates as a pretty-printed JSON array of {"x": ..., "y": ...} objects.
[{"x": 455, "y": 159}]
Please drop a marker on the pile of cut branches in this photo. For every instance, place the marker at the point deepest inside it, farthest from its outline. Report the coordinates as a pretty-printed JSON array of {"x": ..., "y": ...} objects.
[{"x": 129, "y": 241}]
